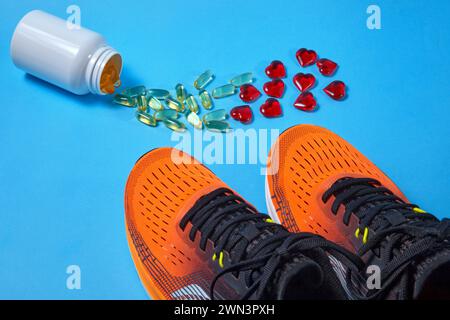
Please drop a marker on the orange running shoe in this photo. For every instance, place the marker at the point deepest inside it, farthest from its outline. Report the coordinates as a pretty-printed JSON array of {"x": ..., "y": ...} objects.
[
  {"x": 322, "y": 184},
  {"x": 192, "y": 237}
]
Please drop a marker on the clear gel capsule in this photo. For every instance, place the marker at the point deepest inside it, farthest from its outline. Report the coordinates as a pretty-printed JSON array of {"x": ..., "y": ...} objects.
[
  {"x": 217, "y": 126},
  {"x": 155, "y": 104},
  {"x": 166, "y": 114},
  {"x": 180, "y": 92},
  {"x": 174, "y": 125},
  {"x": 124, "y": 100},
  {"x": 194, "y": 120},
  {"x": 217, "y": 115},
  {"x": 142, "y": 103},
  {"x": 203, "y": 80},
  {"x": 134, "y": 92},
  {"x": 159, "y": 94},
  {"x": 205, "y": 99},
  {"x": 174, "y": 105},
  {"x": 224, "y": 91},
  {"x": 242, "y": 79},
  {"x": 146, "y": 118},
  {"x": 192, "y": 103}
]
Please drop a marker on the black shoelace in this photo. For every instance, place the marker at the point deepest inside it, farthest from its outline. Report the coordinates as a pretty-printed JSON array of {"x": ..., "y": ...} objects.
[
  {"x": 389, "y": 217},
  {"x": 233, "y": 226}
]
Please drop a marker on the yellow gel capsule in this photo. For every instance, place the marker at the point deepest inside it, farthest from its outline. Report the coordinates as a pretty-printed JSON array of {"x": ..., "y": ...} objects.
[
  {"x": 155, "y": 104},
  {"x": 195, "y": 120},
  {"x": 174, "y": 125},
  {"x": 217, "y": 115},
  {"x": 174, "y": 105},
  {"x": 166, "y": 114},
  {"x": 146, "y": 119},
  {"x": 203, "y": 80},
  {"x": 181, "y": 93},
  {"x": 159, "y": 94},
  {"x": 134, "y": 91},
  {"x": 218, "y": 126},
  {"x": 205, "y": 99},
  {"x": 224, "y": 91},
  {"x": 124, "y": 100},
  {"x": 142, "y": 103},
  {"x": 242, "y": 79},
  {"x": 192, "y": 103}
]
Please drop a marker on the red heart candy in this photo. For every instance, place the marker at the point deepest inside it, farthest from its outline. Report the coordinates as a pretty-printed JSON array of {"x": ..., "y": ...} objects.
[
  {"x": 276, "y": 70},
  {"x": 306, "y": 57},
  {"x": 243, "y": 114},
  {"x": 326, "y": 67},
  {"x": 336, "y": 90},
  {"x": 274, "y": 88},
  {"x": 271, "y": 108},
  {"x": 249, "y": 93},
  {"x": 304, "y": 81},
  {"x": 305, "y": 102}
]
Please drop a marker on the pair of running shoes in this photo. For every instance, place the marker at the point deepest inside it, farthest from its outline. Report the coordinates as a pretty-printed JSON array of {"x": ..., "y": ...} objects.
[{"x": 338, "y": 228}]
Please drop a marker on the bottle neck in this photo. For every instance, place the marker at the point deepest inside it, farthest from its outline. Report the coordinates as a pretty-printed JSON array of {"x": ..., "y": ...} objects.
[{"x": 96, "y": 67}]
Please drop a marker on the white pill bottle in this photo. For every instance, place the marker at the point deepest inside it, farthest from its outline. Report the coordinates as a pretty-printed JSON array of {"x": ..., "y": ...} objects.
[{"x": 73, "y": 58}]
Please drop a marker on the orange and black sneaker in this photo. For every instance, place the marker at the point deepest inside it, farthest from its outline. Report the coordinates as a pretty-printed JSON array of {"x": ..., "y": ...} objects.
[
  {"x": 323, "y": 185},
  {"x": 193, "y": 238}
]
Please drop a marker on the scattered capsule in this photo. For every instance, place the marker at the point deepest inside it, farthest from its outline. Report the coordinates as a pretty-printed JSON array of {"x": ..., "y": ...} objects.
[
  {"x": 174, "y": 105},
  {"x": 124, "y": 100},
  {"x": 142, "y": 103},
  {"x": 217, "y": 126},
  {"x": 166, "y": 114},
  {"x": 174, "y": 125},
  {"x": 146, "y": 118},
  {"x": 206, "y": 100},
  {"x": 242, "y": 79},
  {"x": 217, "y": 115},
  {"x": 224, "y": 91},
  {"x": 159, "y": 94},
  {"x": 194, "y": 119},
  {"x": 203, "y": 80},
  {"x": 118, "y": 83},
  {"x": 192, "y": 103},
  {"x": 155, "y": 104},
  {"x": 181, "y": 92},
  {"x": 134, "y": 92}
]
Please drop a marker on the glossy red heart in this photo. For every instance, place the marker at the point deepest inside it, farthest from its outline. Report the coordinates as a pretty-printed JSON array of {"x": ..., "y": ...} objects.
[
  {"x": 303, "y": 81},
  {"x": 327, "y": 67},
  {"x": 249, "y": 93},
  {"x": 276, "y": 70},
  {"x": 336, "y": 90},
  {"x": 271, "y": 108},
  {"x": 274, "y": 88},
  {"x": 305, "y": 102},
  {"x": 306, "y": 57},
  {"x": 243, "y": 114}
]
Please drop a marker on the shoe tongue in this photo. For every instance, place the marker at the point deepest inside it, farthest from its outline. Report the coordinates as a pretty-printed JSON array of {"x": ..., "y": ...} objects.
[
  {"x": 297, "y": 275},
  {"x": 297, "y": 278},
  {"x": 432, "y": 277}
]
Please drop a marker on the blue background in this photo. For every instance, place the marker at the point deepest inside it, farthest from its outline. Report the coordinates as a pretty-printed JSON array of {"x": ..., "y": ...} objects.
[{"x": 64, "y": 159}]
